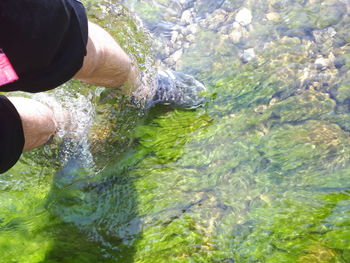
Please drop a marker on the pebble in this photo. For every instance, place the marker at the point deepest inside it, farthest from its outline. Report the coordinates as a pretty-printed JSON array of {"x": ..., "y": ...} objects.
[
  {"x": 273, "y": 101},
  {"x": 187, "y": 45},
  {"x": 169, "y": 61},
  {"x": 174, "y": 36},
  {"x": 235, "y": 36},
  {"x": 248, "y": 55},
  {"x": 273, "y": 16},
  {"x": 190, "y": 38},
  {"x": 216, "y": 19},
  {"x": 166, "y": 51},
  {"x": 186, "y": 17},
  {"x": 235, "y": 26},
  {"x": 193, "y": 28},
  {"x": 237, "y": 33},
  {"x": 261, "y": 109},
  {"x": 186, "y": 3},
  {"x": 244, "y": 16},
  {"x": 177, "y": 55},
  {"x": 322, "y": 63},
  {"x": 339, "y": 62},
  {"x": 323, "y": 35},
  {"x": 177, "y": 45}
]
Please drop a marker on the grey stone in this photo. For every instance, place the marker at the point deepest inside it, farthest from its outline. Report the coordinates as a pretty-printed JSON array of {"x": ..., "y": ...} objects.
[
  {"x": 190, "y": 38},
  {"x": 248, "y": 55},
  {"x": 174, "y": 36},
  {"x": 323, "y": 35},
  {"x": 244, "y": 16},
  {"x": 322, "y": 63},
  {"x": 339, "y": 62},
  {"x": 236, "y": 36},
  {"x": 186, "y": 3},
  {"x": 204, "y": 7},
  {"x": 177, "y": 55},
  {"x": 186, "y": 17},
  {"x": 215, "y": 20},
  {"x": 273, "y": 16}
]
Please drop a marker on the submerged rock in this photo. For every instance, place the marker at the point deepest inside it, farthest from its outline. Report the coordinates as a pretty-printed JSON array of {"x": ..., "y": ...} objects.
[
  {"x": 273, "y": 16},
  {"x": 244, "y": 16},
  {"x": 322, "y": 63},
  {"x": 248, "y": 55},
  {"x": 186, "y": 17}
]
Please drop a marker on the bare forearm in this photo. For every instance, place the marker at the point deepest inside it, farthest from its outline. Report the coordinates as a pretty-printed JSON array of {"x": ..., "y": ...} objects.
[{"x": 38, "y": 121}]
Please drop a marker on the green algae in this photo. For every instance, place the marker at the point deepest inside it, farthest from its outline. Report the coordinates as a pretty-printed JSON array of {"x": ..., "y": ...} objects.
[
  {"x": 301, "y": 235},
  {"x": 259, "y": 174}
]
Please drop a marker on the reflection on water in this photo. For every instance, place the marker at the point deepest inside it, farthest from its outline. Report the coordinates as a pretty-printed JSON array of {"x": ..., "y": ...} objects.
[{"x": 259, "y": 174}]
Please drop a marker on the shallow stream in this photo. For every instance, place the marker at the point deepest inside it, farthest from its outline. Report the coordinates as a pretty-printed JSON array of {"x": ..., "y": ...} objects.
[{"x": 260, "y": 173}]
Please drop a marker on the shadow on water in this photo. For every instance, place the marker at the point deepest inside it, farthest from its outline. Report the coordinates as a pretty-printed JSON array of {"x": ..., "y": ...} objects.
[
  {"x": 92, "y": 199},
  {"x": 260, "y": 174},
  {"x": 99, "y": 220},
  {"x": 97, "y": 214}
]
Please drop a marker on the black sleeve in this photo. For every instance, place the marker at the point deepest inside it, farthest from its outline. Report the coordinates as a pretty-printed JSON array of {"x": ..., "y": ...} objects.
[{"x": 11, "y": 135}]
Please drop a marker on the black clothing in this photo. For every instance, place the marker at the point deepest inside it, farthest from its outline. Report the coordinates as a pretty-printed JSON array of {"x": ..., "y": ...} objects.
[
  {"x": 45, "y": 41},
  {"x": 11, "y": 135}
]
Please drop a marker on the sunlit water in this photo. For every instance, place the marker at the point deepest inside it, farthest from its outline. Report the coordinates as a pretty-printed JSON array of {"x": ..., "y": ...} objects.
[{"x": 260, "y": 173}]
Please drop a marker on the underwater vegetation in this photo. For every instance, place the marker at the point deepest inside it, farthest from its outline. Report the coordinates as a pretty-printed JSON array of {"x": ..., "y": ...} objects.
[{"x": 260, "y": 173}]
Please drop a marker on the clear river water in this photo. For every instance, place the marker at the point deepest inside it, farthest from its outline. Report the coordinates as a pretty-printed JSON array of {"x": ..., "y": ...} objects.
[{"x": 259, "y": 174}]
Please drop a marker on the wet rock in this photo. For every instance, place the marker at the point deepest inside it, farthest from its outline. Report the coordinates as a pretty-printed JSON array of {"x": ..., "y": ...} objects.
[
  {"x": 169, "y": 62},
  {"x": 291, "y": 41},
  {"x": 190, "y": 29},
  {"x": 322, "y": 63},
  {"x": 177, "y": 45},
  {"x": 236, "y": 36},
  {"x": 314, "y": 16},
  {"x": 238, "y": 33},
  {"x": 186, "y": 45},
  {"x": 174, "y": 36},
  {"x": 248, "y": 55},
  {"x": 193, "y": 28},
  {"x": 330, "y": 15},
  {"x": 231, "y": 6},
  {"x": 273, "y": 16},
  {"x": 225, "y": 30},
  {"x": 166, "y": 51},
  {"x": 343, "y": 94},
  {"x": 339, "y": 62},
  {"x": 302, "y": 33},
  {"x": 260, "y": 109},
  {"x": 186, "y": 17},
  {"x": 204, "y": 7},
  {"x": 278, "y": 4},
  {"x": 309, "y": 105},
  {"x": 244, "y": 16},
  {"x": 312, "y": 143},
  {"x": 177, "y": 55},
  {"x": 342, "y": 36},
  {"x": 215, "y": 20},
  {"x": 186, "y": 3},
  {"x": 162, "y": 28},
  {"x": 323, "y": 35},
  {"x": 190, "y": 38}
]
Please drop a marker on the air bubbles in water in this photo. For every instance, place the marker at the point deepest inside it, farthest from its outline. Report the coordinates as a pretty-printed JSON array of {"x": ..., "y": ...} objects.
[{"x": 74, "y": 113}]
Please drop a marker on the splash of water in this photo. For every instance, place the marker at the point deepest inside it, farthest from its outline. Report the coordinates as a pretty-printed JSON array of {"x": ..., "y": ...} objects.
[{"x": 74, "y": 113}]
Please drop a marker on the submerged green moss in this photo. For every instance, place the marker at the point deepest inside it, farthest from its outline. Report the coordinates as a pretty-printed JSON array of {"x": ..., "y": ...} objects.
[{"x": 260, "y": 173}]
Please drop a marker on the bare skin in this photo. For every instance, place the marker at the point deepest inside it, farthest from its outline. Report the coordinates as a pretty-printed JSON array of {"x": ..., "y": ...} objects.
[
  {"x": 38, "y": 121},
  {"x": 106, "y": 64}
]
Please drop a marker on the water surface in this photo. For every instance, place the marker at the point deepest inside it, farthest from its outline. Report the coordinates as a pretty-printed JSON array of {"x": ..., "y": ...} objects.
[{"x": 260, "y": 173}]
